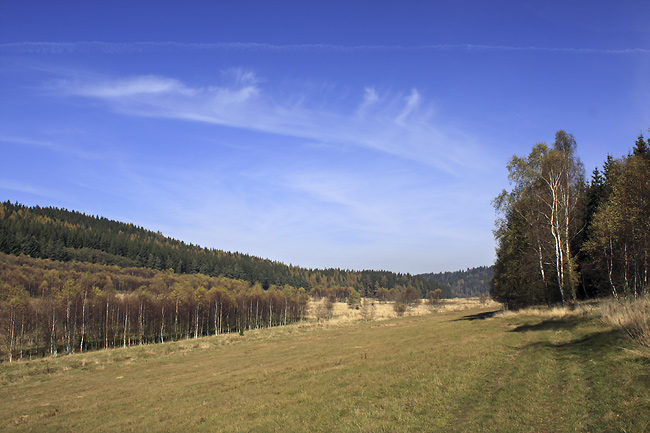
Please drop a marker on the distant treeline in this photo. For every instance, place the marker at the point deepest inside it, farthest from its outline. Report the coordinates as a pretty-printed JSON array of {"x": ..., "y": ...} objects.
[
  {"x": 59, "y": 234},
  {"x": 49, "y": 307},
  {"x": 72, "y": 283},
  {"x": 465, "y": 284}
]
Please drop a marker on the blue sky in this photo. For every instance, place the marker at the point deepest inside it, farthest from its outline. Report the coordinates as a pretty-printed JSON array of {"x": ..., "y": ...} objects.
[{"x": 358, "y": 135}]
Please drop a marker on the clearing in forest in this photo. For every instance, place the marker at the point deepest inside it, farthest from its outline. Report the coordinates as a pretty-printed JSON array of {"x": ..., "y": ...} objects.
[{"x": 469, "y": 370}]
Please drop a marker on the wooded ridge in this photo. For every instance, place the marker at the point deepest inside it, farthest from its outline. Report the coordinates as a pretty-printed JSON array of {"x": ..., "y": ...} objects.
[
  {"x": 71, "y": 283},
  {"x": 59, "y": 234},
  {"x": 471, "y": 282}
]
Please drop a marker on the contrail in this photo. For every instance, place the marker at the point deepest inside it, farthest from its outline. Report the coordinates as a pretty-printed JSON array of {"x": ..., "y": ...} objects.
[{"x": 140, "y": 47}]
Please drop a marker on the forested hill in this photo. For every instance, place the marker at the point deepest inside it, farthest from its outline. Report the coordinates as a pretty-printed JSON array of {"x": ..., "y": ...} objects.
[
  {"x": 468, "y": 283},
  {"x": 60, "y": 234}
]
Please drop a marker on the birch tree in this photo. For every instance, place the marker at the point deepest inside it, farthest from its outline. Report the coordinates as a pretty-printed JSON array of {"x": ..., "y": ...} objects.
[{"x": 539, "y": 218}]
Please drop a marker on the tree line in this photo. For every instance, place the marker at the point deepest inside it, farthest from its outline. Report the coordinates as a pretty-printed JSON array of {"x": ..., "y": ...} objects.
[
  {"x": 51, "y": 307},
  {"x": 560, "y": 238},
  {"x": 471, "y": 282},
  {"x": 71, "y": 283},
  {"x": 60, "y": 234}
]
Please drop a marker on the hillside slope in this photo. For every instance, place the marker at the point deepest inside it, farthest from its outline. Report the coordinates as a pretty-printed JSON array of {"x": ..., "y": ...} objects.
[{"x": 64, "y": 235}]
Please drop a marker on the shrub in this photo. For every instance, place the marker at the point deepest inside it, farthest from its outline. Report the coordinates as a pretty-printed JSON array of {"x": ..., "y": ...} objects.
[
  {"x": 368, "y": 310},
  {"x": 400, "y": 308},
  {"x": 410, "y": 296},
  {"x": 434, "y": 298},
  {"x": 325, "y": 309},
  {"x": 354, "y": 299}
]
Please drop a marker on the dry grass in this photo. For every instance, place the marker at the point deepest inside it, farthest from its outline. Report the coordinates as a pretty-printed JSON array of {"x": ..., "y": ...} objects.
[
  {"x": 460, "y": 304},
  {"x": 343, "y": 314},
  {"x": 452, "y": 371},
  {"x": 584, "y": 309},
  {"x": 630, "y": 314}
]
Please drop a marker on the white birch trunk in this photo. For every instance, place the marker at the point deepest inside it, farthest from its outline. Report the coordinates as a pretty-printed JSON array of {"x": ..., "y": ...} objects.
[
  {"x": 22, "y": 334},
  {"x": 83, "y": 323},
  {"x": 541, "y": 271},
  {"x": 162, "y": 325},
  {"x": 53, "y": 349},
  {"x": 12, "y": 333},
  {"x": 176, "y": 321},
  {"x": 610, "y": 265},
  {"x": 126, "y": 325},
  {"x": 216, "y": 313},
  {"x": 196, "y": 324},
  {"x": 68, "y": 331},
  {"x": 140, "y": 325},
  {"x": 106, "y": 327}
]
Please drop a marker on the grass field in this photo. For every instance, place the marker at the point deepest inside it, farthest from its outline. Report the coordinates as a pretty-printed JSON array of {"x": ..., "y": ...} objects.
[{"x": 466, "y": 370}]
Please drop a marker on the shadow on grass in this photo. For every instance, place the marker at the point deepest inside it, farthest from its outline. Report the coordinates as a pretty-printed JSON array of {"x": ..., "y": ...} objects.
[
  {"x": 583, "y": 343},
  {"x": 596, "y": 369},
  {"x": 588, "y": 346},
  {"x": 551, "y": 325},
  {"x": 479, "y": 316}
]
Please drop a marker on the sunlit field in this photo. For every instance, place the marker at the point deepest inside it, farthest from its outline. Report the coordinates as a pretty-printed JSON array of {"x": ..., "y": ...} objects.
[
  {"x": 384, "y": 310},
  {"x": 462, "y": 366}
]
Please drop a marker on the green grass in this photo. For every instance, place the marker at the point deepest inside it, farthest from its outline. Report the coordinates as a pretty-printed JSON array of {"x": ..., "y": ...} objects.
[{"x": 456, "y": 372}]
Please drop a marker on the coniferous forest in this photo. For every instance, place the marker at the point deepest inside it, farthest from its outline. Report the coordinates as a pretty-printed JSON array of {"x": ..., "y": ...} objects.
[
  {"x": 71, "y": 282},
  {"x": 561, "y": 238},
  {"x": 468, "y": 283}
]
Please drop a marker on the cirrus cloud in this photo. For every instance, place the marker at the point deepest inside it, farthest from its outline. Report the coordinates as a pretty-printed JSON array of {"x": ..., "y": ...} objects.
[{"x": 399, "y": 125}]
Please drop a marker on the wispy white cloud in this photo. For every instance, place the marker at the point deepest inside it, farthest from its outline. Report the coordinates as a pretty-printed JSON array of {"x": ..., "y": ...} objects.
[
  {"x": 402, "y": 126},
  {"x": 411, "y": 104},
  {"x": 372, "y": 205},
  {"x": 47, "y": 47},
  {"x": 349, "y": 200},
  {"x": 370, "y": 97},
  {"x": 132, "y": 87}
]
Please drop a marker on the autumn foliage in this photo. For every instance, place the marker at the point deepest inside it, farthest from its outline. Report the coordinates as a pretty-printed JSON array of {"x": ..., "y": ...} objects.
[
  {"x": 50, "y": 307},
  {"x": 561, "y": 239}
]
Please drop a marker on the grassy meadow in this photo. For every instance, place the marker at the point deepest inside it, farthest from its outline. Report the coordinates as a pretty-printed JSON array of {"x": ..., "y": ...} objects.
[{"x": 460, "y": 368}]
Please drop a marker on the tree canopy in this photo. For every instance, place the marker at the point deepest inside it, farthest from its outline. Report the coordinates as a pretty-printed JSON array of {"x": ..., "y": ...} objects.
[{"x": 559, "y": 239}]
